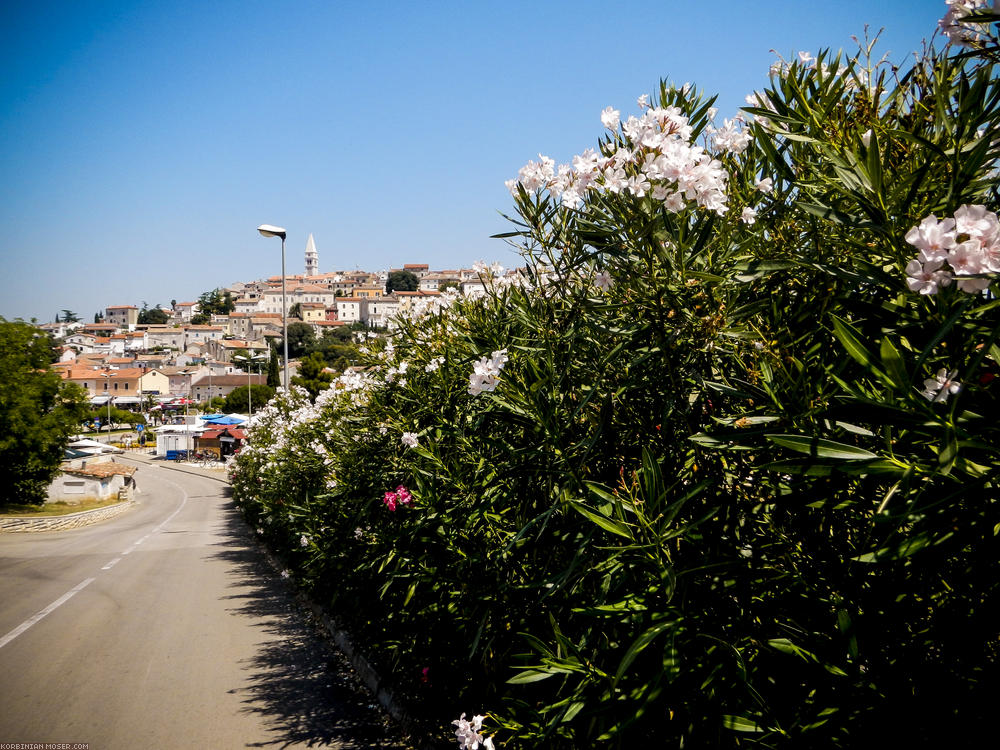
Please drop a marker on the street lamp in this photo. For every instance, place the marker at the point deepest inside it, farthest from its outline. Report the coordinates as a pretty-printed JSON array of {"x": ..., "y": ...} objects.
[
  {"x": 187, "y": 404},
  {"x": 269, "y": 230},
  {"x": 249, "y": 360}
]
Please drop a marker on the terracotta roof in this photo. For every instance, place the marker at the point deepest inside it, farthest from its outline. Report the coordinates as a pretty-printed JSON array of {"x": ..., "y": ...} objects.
[
  {"x": 102, "y": 471},
  {"x": 231, "y": 431}
]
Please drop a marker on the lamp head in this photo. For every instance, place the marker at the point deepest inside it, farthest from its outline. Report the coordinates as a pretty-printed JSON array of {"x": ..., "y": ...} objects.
[{"x": 269, "y": 230}]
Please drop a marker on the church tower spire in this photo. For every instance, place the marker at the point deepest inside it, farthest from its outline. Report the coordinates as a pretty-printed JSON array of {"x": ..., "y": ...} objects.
[{"x": 312, "y": 257}]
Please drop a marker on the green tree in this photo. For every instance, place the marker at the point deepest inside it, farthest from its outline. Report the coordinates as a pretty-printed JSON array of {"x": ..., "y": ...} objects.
[
  {"x": 152, "y": 315},
  {"x": 295, "y": 311},
  {"x": 273, "y": 370},
  {"x": 68, "y": 316},
  {"x": 401, "y": 281},
  {"x": 216, "y": 302},
  {"x": 301, "y": 338},
  {"x": 337, "y": 347},
  {"x": 38, "y": 412},
  {"x": 313, "y": 374},
  {"x": 237, "y": 400}
]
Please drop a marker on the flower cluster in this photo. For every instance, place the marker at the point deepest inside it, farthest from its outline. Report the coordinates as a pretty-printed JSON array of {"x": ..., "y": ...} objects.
[
  {"x": 397, "y": 497},
  {"x": 468, "y": 733},
  {"x": 942, "y": 385},
  {"x": 655, "y": 157},
  {"x": 486, "y": 373},
  {"x": 409, "y": 439},
  {"x": 969, "y": 243},
  {"x": 962, "y": 32}
]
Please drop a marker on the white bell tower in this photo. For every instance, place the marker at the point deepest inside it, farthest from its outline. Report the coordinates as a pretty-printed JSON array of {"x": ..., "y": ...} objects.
[{"x": 312, "y": 257}]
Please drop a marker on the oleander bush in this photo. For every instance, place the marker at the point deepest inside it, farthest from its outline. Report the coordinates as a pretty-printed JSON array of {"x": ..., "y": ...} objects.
[{"x": 718, "y": 466}]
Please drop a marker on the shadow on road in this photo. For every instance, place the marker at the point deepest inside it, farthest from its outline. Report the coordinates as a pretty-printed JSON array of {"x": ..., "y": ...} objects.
[{"x": 299, "y": 683}]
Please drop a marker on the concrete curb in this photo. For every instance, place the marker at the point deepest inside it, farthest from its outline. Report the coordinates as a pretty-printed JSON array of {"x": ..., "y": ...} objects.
[{"x": 20, "y": 524}]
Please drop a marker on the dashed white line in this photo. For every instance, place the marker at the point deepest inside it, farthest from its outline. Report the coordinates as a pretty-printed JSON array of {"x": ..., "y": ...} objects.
[
  {"x": 48, "y": 610},
  {"x": 83, "y": 584}
]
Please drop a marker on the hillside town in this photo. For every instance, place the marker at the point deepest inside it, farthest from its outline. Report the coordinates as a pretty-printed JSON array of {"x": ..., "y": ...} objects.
[{"x": 195, "y": 355}]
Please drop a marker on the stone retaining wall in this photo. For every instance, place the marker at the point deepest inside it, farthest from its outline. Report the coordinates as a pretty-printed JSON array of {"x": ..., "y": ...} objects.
[{"x": 61, "y": 523}]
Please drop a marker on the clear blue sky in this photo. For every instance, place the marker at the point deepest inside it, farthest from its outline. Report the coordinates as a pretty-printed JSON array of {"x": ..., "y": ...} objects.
[{"x": 141, "y": 143}]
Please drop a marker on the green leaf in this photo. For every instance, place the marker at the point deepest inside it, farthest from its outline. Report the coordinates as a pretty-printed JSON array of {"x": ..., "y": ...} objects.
[
  {"x": 529, "y": 675},
  {"x": 639, "y": 644},
  {"x": 822, "y": 448},
  {"x": 741, "y": 724},
  {"x": 850, "y": 338},
  {"x": 893, "y": 363},
  {"x": 606, "y": 523}
]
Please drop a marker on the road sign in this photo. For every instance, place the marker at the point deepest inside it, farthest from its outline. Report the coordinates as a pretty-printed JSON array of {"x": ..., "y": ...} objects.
[{"x": 140, "y": 427}]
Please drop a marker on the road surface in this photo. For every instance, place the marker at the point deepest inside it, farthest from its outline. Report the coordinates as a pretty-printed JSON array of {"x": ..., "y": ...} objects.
[{"x": 165, "y": 628}]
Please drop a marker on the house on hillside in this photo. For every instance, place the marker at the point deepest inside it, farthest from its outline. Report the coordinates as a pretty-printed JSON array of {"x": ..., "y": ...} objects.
[
  {"x": 220, "y": 386},
  {"x": 122, "y": 316}
]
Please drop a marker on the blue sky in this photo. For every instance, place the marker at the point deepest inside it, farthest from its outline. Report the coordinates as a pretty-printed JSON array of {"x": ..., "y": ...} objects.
[{"x": 141, "y": 143}]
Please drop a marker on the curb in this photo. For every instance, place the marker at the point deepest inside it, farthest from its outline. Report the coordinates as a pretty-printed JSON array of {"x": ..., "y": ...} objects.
[{"x": 28, "y": 524}]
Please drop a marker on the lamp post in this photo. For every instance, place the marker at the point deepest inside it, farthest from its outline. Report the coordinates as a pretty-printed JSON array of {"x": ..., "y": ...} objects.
[
  {"x": 187, "y": 404},
  {"x": 249, "y": 360},
  {"x": 269, "y": 230}
]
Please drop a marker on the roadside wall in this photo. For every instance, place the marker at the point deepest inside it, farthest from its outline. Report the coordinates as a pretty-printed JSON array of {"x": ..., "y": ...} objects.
[{"x": 61, "y": 523}]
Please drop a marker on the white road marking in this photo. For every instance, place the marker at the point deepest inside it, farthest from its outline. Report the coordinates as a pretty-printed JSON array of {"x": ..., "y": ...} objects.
[
  {"x": 47, "y": 611},
  {"x": 82, "y": 585}
]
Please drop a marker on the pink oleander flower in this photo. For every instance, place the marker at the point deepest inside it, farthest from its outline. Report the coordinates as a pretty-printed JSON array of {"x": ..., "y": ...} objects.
[
  {"x": 977, "y": 253},
  {"x": 403, "y": 495},
  {"x": 926, "y": 278},
  {"x": 398, "y": 497},
  {"x": 933, "y": 238},
  {"x": 389, "y": 500}
]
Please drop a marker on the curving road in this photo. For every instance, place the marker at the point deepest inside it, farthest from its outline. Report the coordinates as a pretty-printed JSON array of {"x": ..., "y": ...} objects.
[{"x": 165, "y": 628}]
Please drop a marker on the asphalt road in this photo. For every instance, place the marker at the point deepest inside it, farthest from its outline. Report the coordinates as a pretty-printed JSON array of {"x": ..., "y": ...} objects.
[{"x": 165, "y": 628}]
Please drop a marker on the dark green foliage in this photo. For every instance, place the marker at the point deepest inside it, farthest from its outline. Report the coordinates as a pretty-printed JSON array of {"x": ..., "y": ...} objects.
[
  {"x": 709, "y": 506},
  {"x": 273, "y": 370},
  {"x": 301, "y": 337},
  {"x": 38, "y": 413},
  {"x": 401, "y": 281},
  {"x": 152, "y": 316},
  {"x": 238, "y": 402},
  {"x": 118, "y": 416},
  {"x": 313, "y": 374}
]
